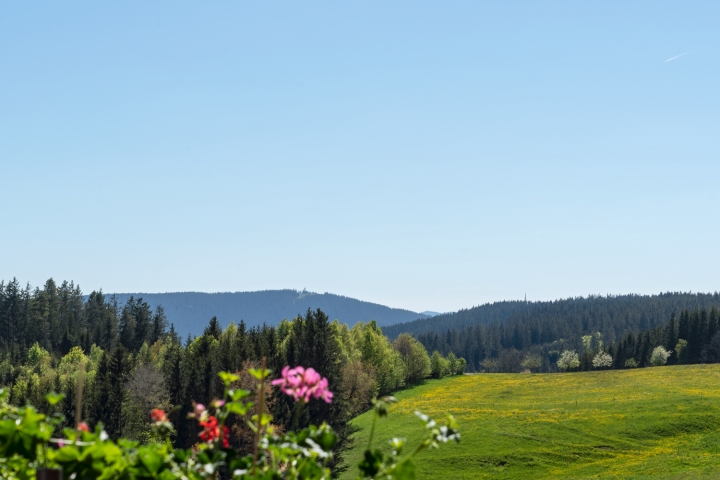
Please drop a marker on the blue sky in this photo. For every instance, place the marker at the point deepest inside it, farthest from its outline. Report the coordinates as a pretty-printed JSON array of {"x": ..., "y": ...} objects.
[{"x": 424, "y": 155}]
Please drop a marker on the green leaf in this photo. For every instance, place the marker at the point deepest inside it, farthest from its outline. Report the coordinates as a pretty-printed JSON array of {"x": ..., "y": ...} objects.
[
  {"x": 127, "y": 444},
  {"x": 404, "y": 471},
  {"x": 259, "y": 373},
  {"x": 150, "y": 459},
  {"x": 182, "y": 455},
  {"x": 327, "y": 440},
  {"x": 239, "y": 394},
  {"x": 265, "y": 420},
  {"x": 54, "y": 398},
  {"x": 228, "y": 377},
  {"x": 236, "y": 407},
  {"x": 67, "y": 454}
]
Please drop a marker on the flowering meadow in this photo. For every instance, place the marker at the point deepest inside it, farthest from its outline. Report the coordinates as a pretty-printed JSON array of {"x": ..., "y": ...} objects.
[{"x": 661, "y": 422}]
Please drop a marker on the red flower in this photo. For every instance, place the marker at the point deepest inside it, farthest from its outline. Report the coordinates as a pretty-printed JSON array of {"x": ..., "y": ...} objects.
[
  {"x": 158, "y": 415},
  {"x": 226, "y": 437},
  {"x": 83, "y": 427},
  {"x": 211, "y": 431}
]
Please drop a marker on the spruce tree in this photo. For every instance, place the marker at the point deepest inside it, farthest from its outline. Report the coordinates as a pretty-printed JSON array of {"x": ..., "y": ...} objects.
[
  {"x": 127, "y": 329},
  {"x": 684, "y": 325},
  {"x": 159, "y": 325},
  {"x": 213, "y": 329},
  {"x": 108, "y": 392}
]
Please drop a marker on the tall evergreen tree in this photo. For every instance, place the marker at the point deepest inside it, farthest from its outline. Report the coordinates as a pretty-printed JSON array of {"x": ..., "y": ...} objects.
[
  {"x": 127, "y": 329},
  {"x": 159, "y": 325},
  {"x": 108, "y": 393}
]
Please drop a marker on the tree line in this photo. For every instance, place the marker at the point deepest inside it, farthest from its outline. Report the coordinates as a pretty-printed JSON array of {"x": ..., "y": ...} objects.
[
  {"x": 546, "y": 329},
  {"x": 58, "y": 317},
  {"x": 692, "y": 336}
]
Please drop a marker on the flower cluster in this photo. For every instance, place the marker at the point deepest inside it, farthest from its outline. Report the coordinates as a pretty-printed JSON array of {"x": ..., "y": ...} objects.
[
  {"x": 210, "y": 424},
  {"x": 303, "y": 384},
  {"x": 211, "y": 431}
]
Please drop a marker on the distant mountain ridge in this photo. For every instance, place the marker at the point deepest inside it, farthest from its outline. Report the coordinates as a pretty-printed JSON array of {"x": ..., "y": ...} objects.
[
  {"x": 439, "y": 323},
  {"x": 191, "y": 311}
]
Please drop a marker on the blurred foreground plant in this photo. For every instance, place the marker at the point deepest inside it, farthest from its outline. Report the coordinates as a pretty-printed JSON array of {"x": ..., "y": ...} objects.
[
  {"x": 27, "y": 444},
  {"x": 376, "y": 464}
]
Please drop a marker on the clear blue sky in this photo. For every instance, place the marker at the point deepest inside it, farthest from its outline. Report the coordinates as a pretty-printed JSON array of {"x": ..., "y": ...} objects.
[{"x": 425, "y": 155}]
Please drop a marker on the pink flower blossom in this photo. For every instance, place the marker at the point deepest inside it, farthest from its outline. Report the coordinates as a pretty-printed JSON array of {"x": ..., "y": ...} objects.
[{"x": 303, "y": 384}]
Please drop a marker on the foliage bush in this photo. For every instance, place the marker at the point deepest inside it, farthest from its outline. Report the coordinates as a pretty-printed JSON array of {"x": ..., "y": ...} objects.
[{"x": 27, "y": 443}]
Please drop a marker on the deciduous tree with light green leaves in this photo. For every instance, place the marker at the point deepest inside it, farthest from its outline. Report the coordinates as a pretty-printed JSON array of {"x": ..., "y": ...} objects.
[
  {"x": 438, "y": 365},
  {"x": 531, "y": 362},
  {"x": 415, "y": 357}
]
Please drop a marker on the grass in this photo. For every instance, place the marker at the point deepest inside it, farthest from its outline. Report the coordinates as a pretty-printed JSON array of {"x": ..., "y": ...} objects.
[{"x": 661, "y": 422}]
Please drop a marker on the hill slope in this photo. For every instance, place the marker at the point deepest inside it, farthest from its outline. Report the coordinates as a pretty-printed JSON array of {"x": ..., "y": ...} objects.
[
  {"x": 190, "y": 311},
  {"x": 620, "y": 312},
  {"x": 480, "y": 315},
  {"x": 609, "y": 424}
]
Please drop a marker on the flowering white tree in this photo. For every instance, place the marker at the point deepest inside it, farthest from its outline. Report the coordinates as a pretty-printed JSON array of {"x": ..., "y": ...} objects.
[
  {"x": 602, "y": 360},
  {"x": 568, "y": 359},
  {"x": 659, "y": 356}
]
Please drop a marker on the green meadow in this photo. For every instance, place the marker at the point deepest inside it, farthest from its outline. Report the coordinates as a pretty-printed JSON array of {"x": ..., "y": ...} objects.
[{"x": 661, "y": 422}]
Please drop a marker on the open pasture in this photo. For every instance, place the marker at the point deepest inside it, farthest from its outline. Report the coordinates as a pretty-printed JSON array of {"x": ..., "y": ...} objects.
[{"x": 661, "y": 422}]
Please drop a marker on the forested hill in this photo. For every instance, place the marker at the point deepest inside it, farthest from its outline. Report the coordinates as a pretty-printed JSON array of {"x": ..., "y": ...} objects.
[
  {"x": 190, "y": 311},
  {"x": 480, "y": 315},
  {"x": 497, "y": 337},
  {"x": 614, "y": 315}
]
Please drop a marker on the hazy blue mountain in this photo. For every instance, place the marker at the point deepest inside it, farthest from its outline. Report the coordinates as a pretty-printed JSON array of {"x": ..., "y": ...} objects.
[{"x": 191, "y": 311}]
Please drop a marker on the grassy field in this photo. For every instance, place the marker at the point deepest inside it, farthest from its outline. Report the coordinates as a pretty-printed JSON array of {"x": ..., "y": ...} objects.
[{"x": 661, "y": 422}]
